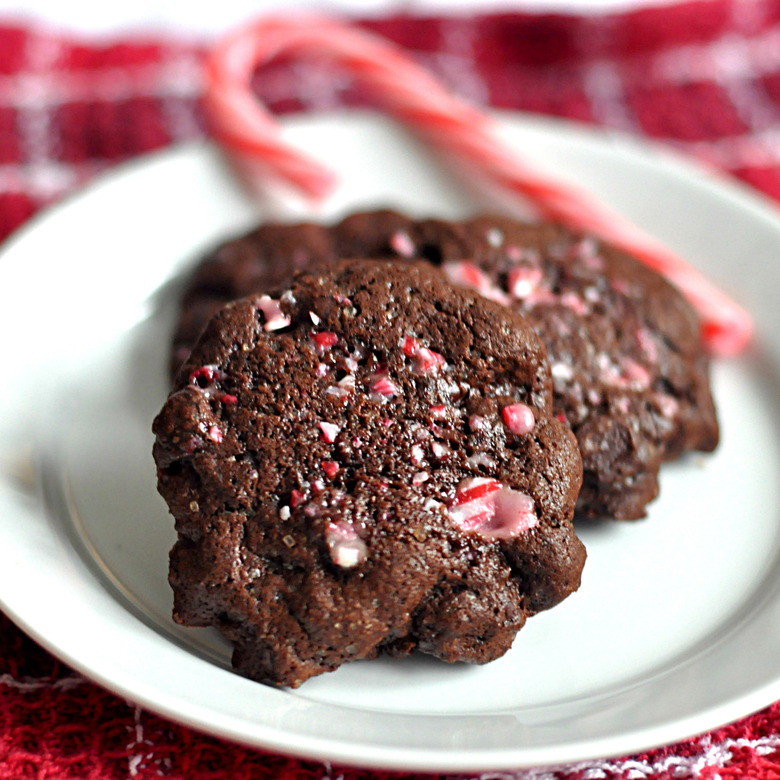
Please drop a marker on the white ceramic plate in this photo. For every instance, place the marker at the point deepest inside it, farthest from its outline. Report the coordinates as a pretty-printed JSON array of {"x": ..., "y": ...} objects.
[{"x": 676, "y": 628}]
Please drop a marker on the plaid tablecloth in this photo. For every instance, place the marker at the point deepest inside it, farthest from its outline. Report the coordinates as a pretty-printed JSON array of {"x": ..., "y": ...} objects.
[{"x": 703, "y": 77}]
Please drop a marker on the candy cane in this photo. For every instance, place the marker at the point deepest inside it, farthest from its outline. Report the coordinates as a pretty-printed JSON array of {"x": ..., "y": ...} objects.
[{"x": 245, "y": 128}]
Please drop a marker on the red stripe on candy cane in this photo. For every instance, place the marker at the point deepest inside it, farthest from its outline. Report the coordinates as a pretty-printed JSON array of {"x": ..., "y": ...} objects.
[{"x": 243, "y": 126}]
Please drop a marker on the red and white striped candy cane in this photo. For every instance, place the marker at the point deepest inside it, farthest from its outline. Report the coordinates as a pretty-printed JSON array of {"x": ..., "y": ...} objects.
[{"x": 407, "y": 91}]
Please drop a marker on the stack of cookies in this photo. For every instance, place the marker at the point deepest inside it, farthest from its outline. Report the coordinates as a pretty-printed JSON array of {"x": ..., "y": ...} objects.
[{"x": 380, "y": 431}]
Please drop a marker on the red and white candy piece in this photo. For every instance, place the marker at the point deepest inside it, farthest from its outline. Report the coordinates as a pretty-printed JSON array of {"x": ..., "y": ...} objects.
[
  {"x": 519, "y": 418},
  {"x": 425, "y": 360},
  {"x": 407, "y": 91},
  {"x": 469, "y": 275},
  {"x": 330, "y": 467},
  {"x": 523, "y": 280},
  {"x": 275, "y": 318},
  {"x": 206, "y": 379},
  {"x": 324, "y": 340},
  {"x": 382, "y": 387},
  {"x": 484, "y": 506},
  {"x": 329, "y": 431},
  {"x": 346, "y": 548}
]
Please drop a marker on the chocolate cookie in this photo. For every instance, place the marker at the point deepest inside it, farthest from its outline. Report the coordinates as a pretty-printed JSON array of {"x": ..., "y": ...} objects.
[
  {"x": 630, "y": 376},
  {"x": 366, "y": 462}
]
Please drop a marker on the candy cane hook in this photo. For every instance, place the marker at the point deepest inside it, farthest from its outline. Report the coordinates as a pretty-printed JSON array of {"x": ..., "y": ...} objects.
[{"x": 408, "y": 92}]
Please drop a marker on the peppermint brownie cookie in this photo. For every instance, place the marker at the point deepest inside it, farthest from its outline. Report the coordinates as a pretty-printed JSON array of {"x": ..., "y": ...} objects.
[
  {"x": 630, "y": 376},
  {"x": 366, "y": 462}
]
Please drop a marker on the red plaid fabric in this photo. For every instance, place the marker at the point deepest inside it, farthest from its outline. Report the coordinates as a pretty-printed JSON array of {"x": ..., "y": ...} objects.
[{"x": 703, "y": 77}]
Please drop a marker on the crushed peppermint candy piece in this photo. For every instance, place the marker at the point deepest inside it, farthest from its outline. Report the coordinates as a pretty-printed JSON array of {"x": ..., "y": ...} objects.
[
  {"x": 329, "y": 431},
  {"x": 519, "y": 418},
  {"x": 591, "y": 294},
  {"x": 540, "y": 296},
  {"x": 573, "y": 301},
  {"x": 296, "y": 496},
  {"x": 521, "y": 281},
  {"x": 228, "y": 399},
  {"x": 495, "y": 237},
  {"x": 466, "y": 273},
  {"x": 420, "y": 434},
  {"x": 481, "y": 459},
  {"x": 382, "y": 386},
  {"x": 439, "y": 412},
  {"x": 584, "y": 248},
  {"x": 476, "y": 422},
  {"x": 314, "y": 318},
  {"x": 324, "y": 341},
  {"x": 475, "y": 488},
  {"x": 440, "y": 450},
  {"x": 514, "y": 514},
  {"x": 284, "y": 512},
  {"x": 426, "y": 360},
  {"x": 637, "y": 376},
  {"x": 215, "y": 434},
  {"x": 410, "y": 346},
  {"x": 205, "y": 377},
  {"x": 667, "y": 404},
  {"x": 346, "y": 548},
  {"x": 469, "y": 275},
  {"x": 492, "y": 510},
  {"x": 420, "y": 477},
  {"x": 402, "y": 244},
  {"x": 330, "y": 467},
  {"x": 561, "y": 372},
  {"x": 343, "y": 388},
  {"x": 629, "y": 374},
  {"x": 647, "y": 344},
  {"x": 275, "y": 319}
]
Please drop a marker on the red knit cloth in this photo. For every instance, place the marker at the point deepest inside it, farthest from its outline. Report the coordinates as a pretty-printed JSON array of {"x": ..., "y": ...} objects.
[{"x": 703, "y": 77}]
